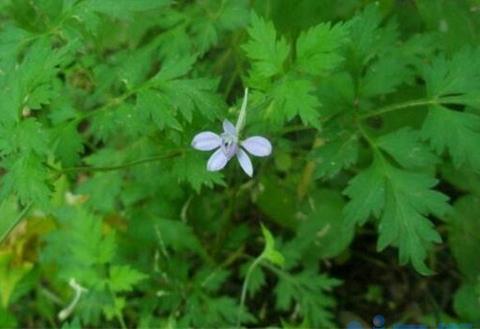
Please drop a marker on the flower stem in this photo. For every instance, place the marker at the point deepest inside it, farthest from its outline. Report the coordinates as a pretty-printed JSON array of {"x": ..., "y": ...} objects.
[{"x": 243, "y": 295}]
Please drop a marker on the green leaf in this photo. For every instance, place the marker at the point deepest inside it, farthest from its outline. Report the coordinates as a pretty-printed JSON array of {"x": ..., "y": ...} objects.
[
  {"x": 318, "y": 48},
  {"x": 79, "y": 246},
  {"x": 367, "y": 194},
  {"x": 466, "y": 303},
  {"x": 68, "y": 144},
  {"x": 176, "y": 235},
  {"x": 455, "y": 80},
  {"x": 155, "y": 106},
  {"x": 323, "y": 233},
  {"x": 7, "y": 320},
  {"x": 191, "y": 167},
  {"x": 123, "y": 278},
  {"x": 10, "y": 275},
  {"x": 367, "y": 37},
  {"x": 269, "y": 252},
  {"x": 175, "y": 67},
  {"x": 463, "y": 239},
  {"x": 463, "y": 135},
  {"x": 268, "y": 53},
  {"x": 115, "y": 308},
  {"x": 457, "y": 76},
  {"x": 385, "y": 75},
  {"x": 186, "y": 95},
  {"x": 335, "y": 155},
  {"x": 102, "y": 190},
  {"x": 311, "y": 291},
  {"x": 9, "y": 217},
  {"x": 256, "y": 279},
  {"x": 294, "y": 97},
  {"x": 401, "y": 200},
  {"x": 123, "y": 8},
  {"x": 27, "y": 178},
  {"x": 26, "y": 136},
  {"x": 405, "y": 146}
]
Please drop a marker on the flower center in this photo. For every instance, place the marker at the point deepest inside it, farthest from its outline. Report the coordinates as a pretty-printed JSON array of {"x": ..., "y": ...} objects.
[{"x": 229, "y": 145}]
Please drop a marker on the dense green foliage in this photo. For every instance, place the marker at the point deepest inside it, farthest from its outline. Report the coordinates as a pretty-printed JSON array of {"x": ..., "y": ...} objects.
[{"x": 369, "y": 204}]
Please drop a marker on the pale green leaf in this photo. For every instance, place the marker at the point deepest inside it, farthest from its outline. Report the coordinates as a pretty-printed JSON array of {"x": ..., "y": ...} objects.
[
  {"x": 318, "y": 48},
  {"x": 123, "y": 278},
  {"x": 266, "y": 50},
  {"x": 269, "y": 251}
]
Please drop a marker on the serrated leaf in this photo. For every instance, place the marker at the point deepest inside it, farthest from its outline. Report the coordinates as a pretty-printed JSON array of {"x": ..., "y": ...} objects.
[
  {"x": 68, "y": 144},
  {"x": 401, "y": 200},
  {"x": 268, "y": 53},
  {"x": 27, "y": 178},
  {"x": 26, "y": 136},
  {"x": 404, "y": 223},
  {"x": 456, "y": 132},
  {"x": 311, "y": 291},
  {"x": 79, "y": 246},
  {"x": 256, "y": 280},
  {"x": 336, "y": 155},
  {"x": 385, "y": 75},
  {"x": 174, "y": 67},
  {"x": 457, "y": 76},
  {"x": 155, "y": 106},
  {"x": 318, "y": 48},
  {"x": 367, "y": 37},
  {"x": 186, "y": 95},
  {"x": 176, "y": 235},
  {"x": 294, "y": 97},
  {"x": 123, "y": 278},
  {"x": 405, "y": 146},
  {"x": 191, "y": 168},
  {"x": 370, "y": 185}
]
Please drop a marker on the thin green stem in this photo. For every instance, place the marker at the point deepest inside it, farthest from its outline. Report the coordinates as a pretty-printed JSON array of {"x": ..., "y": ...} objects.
[
  {"x": 399, "y": 106},
  {"x": 121, "y": 166},
  {"x": 243, "y": 295}
]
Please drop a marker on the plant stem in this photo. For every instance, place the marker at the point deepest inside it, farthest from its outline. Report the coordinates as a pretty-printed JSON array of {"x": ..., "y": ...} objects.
[
  {"x": 395, "y": 107},
  {"x": 121, "y": 166},
  {"x": 243, "y": 296}
]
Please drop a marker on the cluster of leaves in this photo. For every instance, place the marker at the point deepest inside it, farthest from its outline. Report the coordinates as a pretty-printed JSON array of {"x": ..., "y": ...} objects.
[{"x": 373, "y": 111}]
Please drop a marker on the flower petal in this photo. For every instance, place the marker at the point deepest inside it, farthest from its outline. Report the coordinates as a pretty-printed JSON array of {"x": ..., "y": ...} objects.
[
  {"x": 217, "y": 161},
  {"x": 229, "y": 128},
  {"x": 258, "y": 146},
  {"x": 245, "y": 162},
  {"x": 206, "y": 141}
]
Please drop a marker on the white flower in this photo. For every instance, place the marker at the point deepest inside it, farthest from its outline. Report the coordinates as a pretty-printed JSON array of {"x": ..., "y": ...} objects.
[{"x": 227, "y": 144}]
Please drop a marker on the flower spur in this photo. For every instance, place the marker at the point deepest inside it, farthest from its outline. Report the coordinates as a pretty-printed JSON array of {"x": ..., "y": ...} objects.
[{"x": 227, "y": 144}]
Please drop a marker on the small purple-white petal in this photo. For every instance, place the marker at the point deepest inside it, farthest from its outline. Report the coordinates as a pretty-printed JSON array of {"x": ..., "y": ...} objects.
[
  {"x": 206, "y": 141},
  {"x": 217, "y": 161},
  {"x": 229, "y": 128},
  {"x": 258, "y": 146},
  {"x": 245, "y": 162}
]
